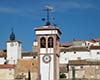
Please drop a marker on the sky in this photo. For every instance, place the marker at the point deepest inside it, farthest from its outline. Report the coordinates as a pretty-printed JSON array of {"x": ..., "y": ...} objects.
[{"x": 77, "y": 19}]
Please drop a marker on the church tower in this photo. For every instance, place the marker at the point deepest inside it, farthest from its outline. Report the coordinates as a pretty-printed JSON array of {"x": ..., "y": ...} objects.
[
  {"x": 48, "y": 50},
  {"x": 13, "y": 49}
]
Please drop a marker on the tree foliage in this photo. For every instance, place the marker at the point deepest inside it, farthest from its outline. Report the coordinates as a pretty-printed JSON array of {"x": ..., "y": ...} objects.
[{"x": 62, "y": 75}]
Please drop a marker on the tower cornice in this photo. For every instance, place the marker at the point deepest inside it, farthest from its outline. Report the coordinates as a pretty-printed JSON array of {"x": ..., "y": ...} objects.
[
  {"x": 44, "y": 28},
  {"x": 14, "y": 41}
]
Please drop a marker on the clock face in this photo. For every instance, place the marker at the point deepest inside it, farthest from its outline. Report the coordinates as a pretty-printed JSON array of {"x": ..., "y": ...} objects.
[
  {"x": 46, "y": 58},
  {"x": 12, "y": 44}
]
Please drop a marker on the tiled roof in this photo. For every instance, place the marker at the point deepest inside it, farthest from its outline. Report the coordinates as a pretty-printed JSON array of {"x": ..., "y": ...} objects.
[
  {"x": 3, "y": 66},
  {"x": 48, "y": 28},
  {"x": 65, "y": 44},
  {"x": 3, "y": 54},
  {"x": 95, "y": 47},
  {"x": 73, "y": 49},
  {"x": 29, "y": 54},
  {"x": 95, "y": 40},
  {"x": 14, "y": 41},
  {"x": 83, "y": 62},
  {"x": 77, "y": 62}
]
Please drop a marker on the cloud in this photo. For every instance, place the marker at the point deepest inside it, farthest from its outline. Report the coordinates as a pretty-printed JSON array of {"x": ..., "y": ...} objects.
[
  {"x": 7, "y": 10},
  {"x": 18, "y": 11},
  {"x": 74, "y": 4},
  {"x": 62, "y": 5}
]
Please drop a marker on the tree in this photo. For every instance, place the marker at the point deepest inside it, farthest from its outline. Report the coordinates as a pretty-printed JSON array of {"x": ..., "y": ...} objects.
[{"x": 62, "y": 75}]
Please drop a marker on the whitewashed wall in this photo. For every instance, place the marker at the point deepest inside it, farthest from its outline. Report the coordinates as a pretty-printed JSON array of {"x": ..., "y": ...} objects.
[
  {"x": 13, "y": 53},
  {"x": 6, "y": 74},
  {"x": 46, "y": 69},
  {"x": 65, "y": 57}
]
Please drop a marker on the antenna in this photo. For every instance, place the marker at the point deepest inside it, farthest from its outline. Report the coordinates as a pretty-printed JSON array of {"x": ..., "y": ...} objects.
[{"x": 48, "y": 9}]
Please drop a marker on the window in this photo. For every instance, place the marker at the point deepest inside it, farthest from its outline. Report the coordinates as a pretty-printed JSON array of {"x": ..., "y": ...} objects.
[
  {"x": 74, "y": 52},
  {"x": 43, "y": 42},
  {"x": 50, "y": 42},
  {"x": 98, "y": 52},
  {"x": 65, "y": 59},
  {"x": 79, "y": 58},
  {"x": 34, "y": 57},
  {"x": 81, "y": 67}
]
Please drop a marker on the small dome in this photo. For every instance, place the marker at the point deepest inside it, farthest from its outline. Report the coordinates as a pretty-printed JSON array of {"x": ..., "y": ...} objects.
[{"x": 12, "y": 36}]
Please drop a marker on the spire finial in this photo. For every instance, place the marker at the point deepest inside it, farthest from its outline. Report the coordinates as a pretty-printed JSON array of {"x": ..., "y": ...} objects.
[
  {"x": 48, "y": 9},
  {"x": 12, "y": 29},
  {"x": 12, "y": 35}
]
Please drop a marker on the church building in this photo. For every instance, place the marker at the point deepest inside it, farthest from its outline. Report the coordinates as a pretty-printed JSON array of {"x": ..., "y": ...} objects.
[{"x": 50, "y": 59}]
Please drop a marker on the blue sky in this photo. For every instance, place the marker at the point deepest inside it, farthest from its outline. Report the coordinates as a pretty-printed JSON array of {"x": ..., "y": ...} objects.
[{"x": 77, "y": 19}]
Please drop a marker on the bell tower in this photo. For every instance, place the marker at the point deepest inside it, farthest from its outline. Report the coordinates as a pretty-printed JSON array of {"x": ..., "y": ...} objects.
[
  {"x": 48, "y": 50},
  {"x": 13, "y": 49}
]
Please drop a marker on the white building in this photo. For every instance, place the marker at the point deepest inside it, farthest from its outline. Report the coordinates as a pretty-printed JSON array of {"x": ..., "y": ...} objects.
[
  {"x": 14, "y": 50},
  {"x": 7, "y": 72},
  {"x": 80, "y": 50},
  {"x": 3, "y": 57},
  {"x": 81, "y": 54}
]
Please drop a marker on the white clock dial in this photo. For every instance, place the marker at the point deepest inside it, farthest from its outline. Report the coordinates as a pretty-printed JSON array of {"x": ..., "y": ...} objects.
[
  {"x": 12, "y": 44},
  {"x": 46, "y": 58}
]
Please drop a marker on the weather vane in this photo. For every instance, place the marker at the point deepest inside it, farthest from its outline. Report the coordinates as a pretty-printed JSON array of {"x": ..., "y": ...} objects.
[{"x": 47, "y": 9}]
